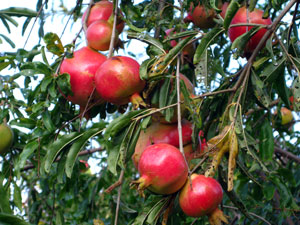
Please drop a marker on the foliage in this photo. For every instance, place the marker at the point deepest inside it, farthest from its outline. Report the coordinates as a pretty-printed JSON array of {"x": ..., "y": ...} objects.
[{"x": 40, "y": 178}]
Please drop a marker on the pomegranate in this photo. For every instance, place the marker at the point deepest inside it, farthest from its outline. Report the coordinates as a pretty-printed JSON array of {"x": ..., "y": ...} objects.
[
  {"x": 118, "y": 80},
  {"x": 102, "y": 10},
  {"x": 6, "y": 137},
  {"x": 286, "y": 116},
  {"x": 201, "y": 16},
  {"x": 162, "y": 133},
  {"x": 162, "y": 168},
  {"x": 254, "y": 17},
  {"x": 224, "y": 9},
  {"x": 98, "y": 35},
  {"x": 203, "y": 198},
  {"x": 82, "y": 68}
]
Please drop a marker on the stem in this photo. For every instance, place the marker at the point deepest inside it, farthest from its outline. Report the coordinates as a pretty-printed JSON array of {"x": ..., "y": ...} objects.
[
  {"x": 119, "y": 197},
  {"x": 84, "y": 25},
  {"x": 113, "y": 35}
]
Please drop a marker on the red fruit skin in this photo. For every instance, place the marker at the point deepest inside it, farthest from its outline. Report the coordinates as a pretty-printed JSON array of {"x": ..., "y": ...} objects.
[
  {"x": 224, "y": 9},
  {"x": 254, "y": 17},
  {"x": 118, "y": 78},
  {"x": 204, "y": 197},
  {"x": 98, "y": 35},
  {"x": 102, "y": 11},
  {"x": 163, "y": 168},
  {"x": 161, "y": 133},
  {"x": 203, "y": 18},
  {"x": 82, "y": 68}
]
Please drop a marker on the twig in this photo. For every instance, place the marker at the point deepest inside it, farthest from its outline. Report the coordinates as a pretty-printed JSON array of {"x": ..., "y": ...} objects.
[
  {"x": 157, "y": 28},
  {"x": 273, "y": 103},
  {"x": 293, "y": 21},
  {"x": 113, "y": 35},
  {"x": 84, "y": 152},
  {"x": 287, "y": 54},
  {"x": 287, "y": 154},
  {"x": 119, "y": 197},
  {"x": 84, "y": 25},
  {"x": 250, "y": 213},
  {"x": 39, "y": 12}
]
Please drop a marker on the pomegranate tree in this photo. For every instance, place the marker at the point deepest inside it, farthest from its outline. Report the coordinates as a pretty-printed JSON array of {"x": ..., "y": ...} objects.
[
  {"x": 82, "y": 68},
  {"x": 103, "y": 10},
  {"x": 202, "y": 197},
  {"x": 162, "y": 169},
  {"x": 118, "y": 80},
  {"x": 254, "y": 17},
  {"x": 162, "y": 133}
]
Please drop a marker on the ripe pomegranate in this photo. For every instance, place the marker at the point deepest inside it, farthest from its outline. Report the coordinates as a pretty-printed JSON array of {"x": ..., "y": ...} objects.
[
  {"x": 201, "y": 16},
  {"x": 162, "y": 133},
  {"x": 203, "y": 198},
  {"x": 6, "y": 137},
  {"x": 253, "y": 17},
  {"x": 118, "y": 80},
  {"x": 98, "y": 35},
  {"x": 82, "y": 68},
  {"x": 162, "y": 169},
  {"x": 102, "y": 10}
]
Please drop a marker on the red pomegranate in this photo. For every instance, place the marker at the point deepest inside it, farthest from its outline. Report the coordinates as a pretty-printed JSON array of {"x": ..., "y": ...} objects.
[
  {"x": 162, "y": 169},
  {"x": 102, "y": 11},
  {"x": 98, "y": 35},
  {"x": 118, "y": 80},
  {"x": 162, "y": 133},
  {"x": 203, "y": 198},
  {"x": 254, "y": 17},
  {"x": 224, "y": 9},
  {"x": 201, "y": 16},
  {"x": 82, "y": 68}
]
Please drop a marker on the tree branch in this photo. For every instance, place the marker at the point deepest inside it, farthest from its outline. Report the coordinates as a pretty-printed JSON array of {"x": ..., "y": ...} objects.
[
  {"x": 84, "y": 152},
  {"x": 287, "y": 154}
]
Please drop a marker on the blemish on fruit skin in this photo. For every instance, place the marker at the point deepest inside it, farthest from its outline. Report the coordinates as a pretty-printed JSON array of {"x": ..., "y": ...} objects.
[{"x": 116, "y": 58}]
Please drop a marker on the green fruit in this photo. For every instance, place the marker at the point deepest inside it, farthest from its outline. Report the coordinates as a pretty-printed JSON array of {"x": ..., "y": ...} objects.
[
  {"x": 6, "y": 137},
  {"x": 286, "y": 116}
]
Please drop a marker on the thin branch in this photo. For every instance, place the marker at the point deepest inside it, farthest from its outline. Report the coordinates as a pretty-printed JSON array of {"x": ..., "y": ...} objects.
[
  {"x": 84, "y": 25},
  {"x": 287, "y": 154},
  {"x": 250, "y": 213},
  {"x": 293, "y": 21},
  {"x": 113, "y": 35},
  {"x": 160, "y": 9},
  {"x": 84, "y": 152},
  {"x": 39, "y": 12},
  {"x": 119, "y": 197}
]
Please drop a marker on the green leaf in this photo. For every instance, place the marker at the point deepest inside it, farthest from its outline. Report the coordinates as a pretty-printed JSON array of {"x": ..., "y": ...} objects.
[
  {"x": 56, "y": 147},
  {"x": 147, "y": 39},
  {"x": 4, "y": 203},
  {"x": 205, "y": 42},
  {"x": 17, "y": 197},
  {"x": 272, "y": 71},
  {"x": 7, "y": 219},
  {"x": 27, "y": 151},
  {"x": 19, "y": 12},
  {"x": 77, "y": 146},
  {"x": 25, "y": 25},
  {"x": 45, "y": 83},
  {"x": 258, "y": 87},
  {"x": 63, "y": 82},
  {"x": 296, "y": 93},
  {"x": 3, "y": 65},
  {"x": 112, "y": 159},
  {"x": 282, "y": 89},
  {"x": 125, "y": 144},
  {"x": 53, "y": 44},
  {"x": 10, "y": 42},
  {"x": 120, "y": 123},
  {"x": 156, "y": 211},
  {"x": 241, "y": 41},
  {"x": 233, "y": 7},
  {"x": 48, "y": 121},
  {"x": 266, "y": 141},
  {"x": 269, "y": 191},
  {"x": 144, "y": 68},
  {"x": 165, "y": 92},
  {"x": 24, "y": 122},
  {"x": 214, "y": 6},
  {"x": 201, "y": 71}
]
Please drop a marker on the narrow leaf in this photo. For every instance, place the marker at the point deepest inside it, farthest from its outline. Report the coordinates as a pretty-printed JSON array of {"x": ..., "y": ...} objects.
[{"x": 11, "y": 219}]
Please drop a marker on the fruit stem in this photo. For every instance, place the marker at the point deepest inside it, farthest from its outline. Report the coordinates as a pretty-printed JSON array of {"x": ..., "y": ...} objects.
[{"x": 113, "y": 35}]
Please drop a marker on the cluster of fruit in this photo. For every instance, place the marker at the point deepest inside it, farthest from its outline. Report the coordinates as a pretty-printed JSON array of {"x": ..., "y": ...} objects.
[
  {"x": 116, "y": 79},
  {"x": 164, "y": 170}
]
